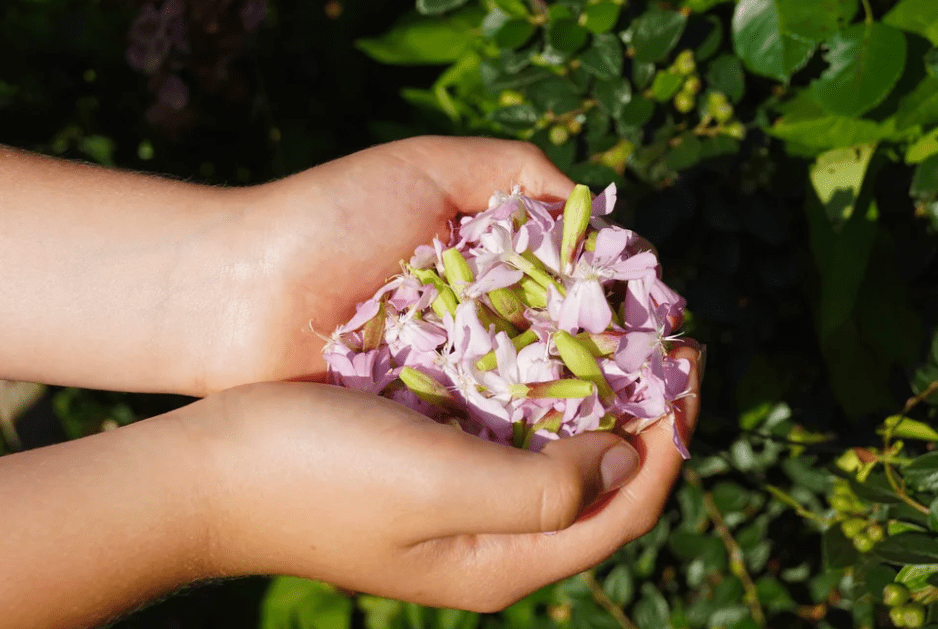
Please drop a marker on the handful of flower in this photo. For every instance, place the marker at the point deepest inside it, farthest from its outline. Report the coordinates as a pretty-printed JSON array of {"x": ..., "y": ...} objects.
[{"x": 536, "y": 321}]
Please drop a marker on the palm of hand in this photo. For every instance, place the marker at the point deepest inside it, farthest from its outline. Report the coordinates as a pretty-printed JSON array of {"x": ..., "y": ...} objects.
[{"x": 334, "y": 234}]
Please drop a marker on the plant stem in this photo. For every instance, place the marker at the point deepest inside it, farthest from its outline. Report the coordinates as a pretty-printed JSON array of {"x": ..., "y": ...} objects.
[
  {"x": 737, "y": 559},
  {"x": 599, "y": 595},
  {"x": 915, "y": 401},
  {"x": 868, "y": 11}
]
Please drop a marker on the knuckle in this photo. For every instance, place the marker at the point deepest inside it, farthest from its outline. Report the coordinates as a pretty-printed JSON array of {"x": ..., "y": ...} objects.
[{"x": 561, "y": 497}]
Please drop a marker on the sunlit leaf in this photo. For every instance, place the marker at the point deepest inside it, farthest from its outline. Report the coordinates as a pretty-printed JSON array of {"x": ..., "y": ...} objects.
[
  {"x": 655, "y": 33},
  {"x": 761, "y": 40},
  {"x": 916, "y": 16}
]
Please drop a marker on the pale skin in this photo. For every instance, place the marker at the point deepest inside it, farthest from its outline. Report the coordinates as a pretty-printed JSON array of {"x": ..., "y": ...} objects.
[{"x": 137, "y": 283}]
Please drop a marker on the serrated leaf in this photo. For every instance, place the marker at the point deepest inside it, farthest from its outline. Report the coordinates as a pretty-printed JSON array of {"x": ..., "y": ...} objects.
[
  {"x": 566, "y": 35},
  {"x": 603, "y": 59},
  {"x": 725, "y": 75},
  {"x": 908, "y": 548},
  {"x": 601, "y": 17},
  {"x": 419, "y": 40},
  {"x": 916, "y": 16},
  {"x": 922, "y": 472},
  {"x": 655, "y": 33},
  {"x": 761, "y": 40},
  {"x": 436, "y": 7},
  {"x": 865, "y": 61},
  {"x": 514, "y": 33}
]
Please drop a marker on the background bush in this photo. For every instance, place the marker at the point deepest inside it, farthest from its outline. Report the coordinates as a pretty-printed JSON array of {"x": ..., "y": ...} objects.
[{"x": 783, "y": 157}]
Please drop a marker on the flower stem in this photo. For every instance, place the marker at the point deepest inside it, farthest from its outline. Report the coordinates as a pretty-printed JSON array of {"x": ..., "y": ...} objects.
[{"x": 599, "y": 595}]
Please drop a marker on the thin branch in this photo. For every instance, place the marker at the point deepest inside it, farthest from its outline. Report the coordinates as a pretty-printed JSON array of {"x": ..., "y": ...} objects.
[
  {"x": 599, "y": 595},
  {"x": 915, "y": 401},
  {"x": 737, "y": 559}
]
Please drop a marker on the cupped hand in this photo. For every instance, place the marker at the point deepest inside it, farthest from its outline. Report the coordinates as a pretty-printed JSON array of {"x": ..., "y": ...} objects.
[
  {"x": 310, "y": 247},
  {"x": 361, "y": 492}
]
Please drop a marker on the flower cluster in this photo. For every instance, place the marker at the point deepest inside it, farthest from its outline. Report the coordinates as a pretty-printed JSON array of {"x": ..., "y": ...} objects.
[{"x": 536, "y": 321}]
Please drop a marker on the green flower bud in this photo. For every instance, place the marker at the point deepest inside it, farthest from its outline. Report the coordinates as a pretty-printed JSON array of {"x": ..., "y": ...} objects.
[
  {"x": 528, "y": 264},
  {"x": 488, "y": 318},
  {"x": 601, "y": 344},
  {"x": 576, "y": 218},
  {"x": 446, "y": 299},
  {"x": 426, "y": 387},
  {"x": 895, "y": 594},
  {"x": 684, "y": 102},
  {"x": 509, "y": 306},
  {"x": 581, "y": 363},
  {"x": 558, "y": 135},
  {"x": 531, "y": 293},
  {"x": 562, "y": 389},
  {"x": 684, "y": 63},
  {"x": 458, "y": 273},
  {"x": 851, "y": 527}
]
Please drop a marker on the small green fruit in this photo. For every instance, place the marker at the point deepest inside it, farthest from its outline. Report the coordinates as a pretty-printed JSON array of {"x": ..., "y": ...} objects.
[
  {"x": 684, "y": 63},
  {"x": 735, "y": 130},
  {"x": 852, "y": 527},
  {"x": 722, "y": 112},
  {"x": 684, "y": 102},
  {"x": 841, "y": 503},
  {"x": 913, "y": 614},
  {"x": 559, "y": 135},
  {"x": 691, "y": 85},
  {"x": 875, "y": 532},
  {"x": 897, "y": 616},
  {"x": 510, "y": 97},
  {"x": 895, "y": 594},
  {"x": 863, "y": 543}
]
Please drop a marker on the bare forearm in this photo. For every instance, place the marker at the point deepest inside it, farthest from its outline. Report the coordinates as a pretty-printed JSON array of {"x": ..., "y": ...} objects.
[
  {"x": 108, "y": 276},
  {"x": 97, "y": 526}
]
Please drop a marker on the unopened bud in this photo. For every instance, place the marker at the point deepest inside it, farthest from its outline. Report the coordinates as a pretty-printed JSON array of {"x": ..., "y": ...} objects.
[
  {"x": 446, "y": 299},
  {"x": 562, "y": 389},
  {"x": 508, "y": 305},
  {"x": 426, "y": 387},
  {"x": 457, "y": 271},
  {"x": 488, "y": 318},
  {"x": 532, "y": 294},
  {"x": 581, "y": 363},
  {"x": 601, "y": 344},
  {"x": 576, "y": 218},
  {"x": 373, "y": 330}
]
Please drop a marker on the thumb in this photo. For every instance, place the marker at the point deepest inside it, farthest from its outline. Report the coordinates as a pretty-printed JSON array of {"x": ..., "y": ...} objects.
[{"x": 516, "y": 491}]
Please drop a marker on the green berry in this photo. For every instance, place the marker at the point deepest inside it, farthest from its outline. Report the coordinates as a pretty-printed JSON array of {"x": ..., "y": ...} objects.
[
  {"x": 684, "y": 102},
  {"x": 738, "y": 131},
  {"x": 691, "y": 85},
  {"x": 559, "y": 135},
  {"x": 863, "y": 543},
  {"x": 852, "y": 527},
  {"x": 913, "y": 614},
  {"x": 897, "y": 616},
  {"x": 574, "y": 126},
  {"x": 841, "y": 503},
  {"x": 722, "y": 112},
  {"x": 684, "y": 63},
  {"x": 895, "y": 594},
  {"x": 510, "y": 97},
  {"x": 875, "y": 532}
]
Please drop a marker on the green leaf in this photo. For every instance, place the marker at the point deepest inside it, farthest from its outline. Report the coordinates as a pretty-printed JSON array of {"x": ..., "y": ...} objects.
[
  {"x": 700, "y": 6},
  {"x": 712, "y": 40},
  {"x": 642, "y": 74},
  {"x": 685, "y": 154},
  {"x": 666, "y": 85},
  {"x": 931, "y": 63},
  {"x": 436, "y": 7},
  {"x": 380, "y": 613},
  {"x": 613, "y": 96},
  {"x": 925, "y": 179},
  {"x": 566, "y": 35},
  {"x": 933, "y": 515},
  {"x": 516, "y": 117},
  {"x": 604, "y": 58},
  {"x": 619, "y": 585},
  {"x": 922, "y": 472},
  {"x": 419, "y": 40},
  {"x": 601, "y": 17},
  {"x": 837, "y": 550},
  {"x": 920, "y": 106},
  {"x": 837, "y": 177},
  {"x": 916, "y": 577},
  {"x": 865, "y": 61},
  {"x": 514, "y": 8},
  {"x": 554, "y": 94},
  {"x": 294, "y": 603},
  {"x": 651, "y": 611},
  {"x": 654, "y": 33},
  {"x": 908, "y": 548},
  {"x": 818, "y": 20},
  {"x": 725, "y": 75},
  {"x": 773, "y": 594},
  {"x": 455, "y": 619},
  {"x": 924, "y": 147},
  {"x": 761, "y": 40},
  {"x": 637, "y": 111},
  {"x": 514, "y": 33},
  {"x": 908, "y": 428},
  {"x": 916, "y": 16},
  {"x": 875, "y": 489}
]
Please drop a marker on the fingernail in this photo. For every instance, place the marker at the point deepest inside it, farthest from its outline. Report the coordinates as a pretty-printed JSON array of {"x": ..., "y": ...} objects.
[
  {"x": 618, "y": 465},
  {"x": 702, "y": 363}
]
